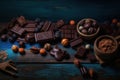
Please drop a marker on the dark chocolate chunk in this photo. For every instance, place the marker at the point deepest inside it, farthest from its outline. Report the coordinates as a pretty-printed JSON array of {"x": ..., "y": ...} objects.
[
  {"x": 59, "y": 54},
  {"x": 81, "y": 52},
  {"x": 34, "y": 50},
  {"x": 76, "y": 42},
  {"x": 30, "y": 38}
]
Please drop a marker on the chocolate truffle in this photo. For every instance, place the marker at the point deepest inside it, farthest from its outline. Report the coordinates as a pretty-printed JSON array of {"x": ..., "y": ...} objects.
[
  {"x": 21, "y": 50},
  {"x": 42, "y": 51},
  {"x": 14, "y": 48},
  {"x": 65, "y": 42},
  {"x": 47, "y": 46}
]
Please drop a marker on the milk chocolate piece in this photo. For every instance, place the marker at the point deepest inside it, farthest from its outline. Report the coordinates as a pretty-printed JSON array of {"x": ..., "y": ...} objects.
[
  {"x": 76, "y": 42},
  {"x": 46, "y": 26},
  {"x": 44, "y": 36},
  {"x": 30, "y": 30},
  {"x": 18, "y": 30}
]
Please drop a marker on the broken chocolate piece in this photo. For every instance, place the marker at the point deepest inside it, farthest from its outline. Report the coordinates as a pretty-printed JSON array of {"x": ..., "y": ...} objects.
[
  {"x": 81, "y": 52},
  {"x": 18, "y": 30}
]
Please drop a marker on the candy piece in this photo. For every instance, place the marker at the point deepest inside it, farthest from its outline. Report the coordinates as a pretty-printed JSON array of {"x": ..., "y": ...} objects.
[
  {"x": 3, "y": 37},
  {"x": 34, "y": 50},
  {"x": 81, "y": 27},
  {"x": 14, "y": 48},
  {"x": 87, "y": 25},
  {"x": 72, "y": 22},
  {"x": 47, "y": 46},
  {"x": 21, "y": 50},
  {"x": 91, "y": 30},
  {"x": 84, "y": 31},
  {"x": 65, "y": 42},
  {"x": 87, "y": 46},
  {"x": 42, "y": 51},
  {"x": 80, "y": 52},
  {"x": 59, "y": 54},
  {"x": 87, "y": 21}
]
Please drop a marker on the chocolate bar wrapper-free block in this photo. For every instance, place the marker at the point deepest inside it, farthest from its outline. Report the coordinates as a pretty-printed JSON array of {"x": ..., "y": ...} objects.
[{"x": 44, "y": 36}]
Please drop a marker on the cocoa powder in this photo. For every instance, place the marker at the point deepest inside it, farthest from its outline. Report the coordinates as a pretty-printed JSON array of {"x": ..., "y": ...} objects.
[{"x": 106, "y": 45}]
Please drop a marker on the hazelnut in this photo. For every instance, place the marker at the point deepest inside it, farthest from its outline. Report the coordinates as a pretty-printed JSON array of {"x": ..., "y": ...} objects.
[{"x": 65, "y": 42}]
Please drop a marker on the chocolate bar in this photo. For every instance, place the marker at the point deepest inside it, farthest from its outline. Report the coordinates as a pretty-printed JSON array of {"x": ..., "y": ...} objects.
[
  {"x": 46, "y": 26},
  {"x": 44, "y": 36},
  {"x": 18, "y": 30},
  {"x": 76, "y": 42},
  {"x": 68, "y": 32}
]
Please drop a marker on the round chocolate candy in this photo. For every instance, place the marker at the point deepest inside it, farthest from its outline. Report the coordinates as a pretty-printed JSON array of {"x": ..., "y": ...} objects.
[
  {"x": 90, "y": 30},
  {"x": 87, "y": 25},
  {"x": 21, "y": 50},
  {"x": 4, "y": 37},
  {"x": 80, "y": 28},
  {"x": 87, "y": 21},
  {"x": 14, "y": 48},
  {"x": 47, "y": 46},
  {"x": 65, "y": 42},
  {"x": 84, "y": 31},
  {"x": 87, "y": 46}
]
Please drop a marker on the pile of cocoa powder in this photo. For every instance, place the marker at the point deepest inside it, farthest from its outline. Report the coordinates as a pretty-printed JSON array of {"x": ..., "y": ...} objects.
[{"x": 106, "y": 45}]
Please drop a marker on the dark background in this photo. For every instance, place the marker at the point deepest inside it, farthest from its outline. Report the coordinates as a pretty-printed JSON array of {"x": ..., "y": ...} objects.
[
  {"x": 59, "y": 9},
  {"x": 55, "y": 10}
]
